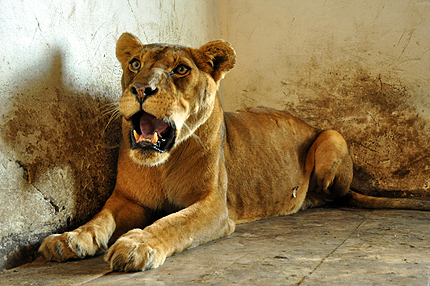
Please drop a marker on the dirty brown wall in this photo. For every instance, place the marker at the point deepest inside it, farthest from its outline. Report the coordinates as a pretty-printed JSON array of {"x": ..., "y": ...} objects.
[
  {"x": 60, "y": 82},
  {"x": 361, "y": 67}
]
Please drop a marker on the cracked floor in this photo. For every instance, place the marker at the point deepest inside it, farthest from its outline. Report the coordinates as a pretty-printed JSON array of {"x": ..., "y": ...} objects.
[{"x": 314, "y": 247}]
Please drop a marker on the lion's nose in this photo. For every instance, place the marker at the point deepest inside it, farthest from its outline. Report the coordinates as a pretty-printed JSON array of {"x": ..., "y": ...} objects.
[{"x": 142, "y": 91}]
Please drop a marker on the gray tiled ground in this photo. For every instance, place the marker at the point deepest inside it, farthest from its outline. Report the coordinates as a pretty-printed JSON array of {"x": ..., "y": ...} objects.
[{"x": 314, "y": 247}]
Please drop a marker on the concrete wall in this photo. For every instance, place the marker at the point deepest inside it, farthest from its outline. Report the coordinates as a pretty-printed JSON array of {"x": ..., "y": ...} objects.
[
  {"x": 59, "y": 82},
  {"x": 361, "y": 67}
]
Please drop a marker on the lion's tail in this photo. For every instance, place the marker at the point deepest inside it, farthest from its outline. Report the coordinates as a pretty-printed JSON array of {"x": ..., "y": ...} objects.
[{"x": 362, "y": 201}]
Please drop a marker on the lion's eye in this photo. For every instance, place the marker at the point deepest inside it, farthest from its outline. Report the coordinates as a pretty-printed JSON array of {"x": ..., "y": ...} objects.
[
  {"x": 181, "y": 70},
  {"x": 135, "y": 65}
]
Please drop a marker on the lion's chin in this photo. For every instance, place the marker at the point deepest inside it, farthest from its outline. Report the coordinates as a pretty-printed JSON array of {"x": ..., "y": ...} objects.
[{"x": 149, "y": 158}]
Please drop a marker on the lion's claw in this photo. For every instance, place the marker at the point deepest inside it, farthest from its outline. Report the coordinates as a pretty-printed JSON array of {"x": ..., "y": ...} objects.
[
  {"x": 128, "y": 255},
  {"x": 55, "y": 248},
  {"x": 72, "y": 245}
]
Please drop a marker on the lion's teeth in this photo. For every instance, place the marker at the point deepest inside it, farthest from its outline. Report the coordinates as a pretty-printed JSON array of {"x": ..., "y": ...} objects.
[
  {"x": 136, "y": 136},
  {"x": 155, "y": 138},
  {"x": 140, "y": 138}
]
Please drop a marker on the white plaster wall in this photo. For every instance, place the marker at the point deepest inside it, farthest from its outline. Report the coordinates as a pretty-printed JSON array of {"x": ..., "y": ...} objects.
[
  {"x": 282, "y": 40},
  {"x": 84, "y": 33},
  {"x": 58, "y": 77}
]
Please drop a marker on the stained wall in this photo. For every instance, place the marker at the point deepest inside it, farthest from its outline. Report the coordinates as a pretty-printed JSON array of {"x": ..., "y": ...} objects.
[{"x": 361, "y": 67}]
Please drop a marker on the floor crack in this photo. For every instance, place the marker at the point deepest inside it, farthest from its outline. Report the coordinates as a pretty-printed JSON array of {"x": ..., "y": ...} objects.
[
  {"x": 330, "y": 254},
  {"x": 101, "y": 275}
]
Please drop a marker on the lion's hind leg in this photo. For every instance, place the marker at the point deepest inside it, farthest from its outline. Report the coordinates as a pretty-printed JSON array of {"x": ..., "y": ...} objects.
[{"x": 330, "y": 167}]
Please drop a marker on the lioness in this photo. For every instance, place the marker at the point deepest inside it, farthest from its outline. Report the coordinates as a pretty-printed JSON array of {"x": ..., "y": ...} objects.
[{"x": 188, "y": 172}]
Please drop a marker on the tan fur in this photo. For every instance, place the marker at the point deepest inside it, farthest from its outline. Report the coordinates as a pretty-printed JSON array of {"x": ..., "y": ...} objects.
[{"x": 224, "y": 168}]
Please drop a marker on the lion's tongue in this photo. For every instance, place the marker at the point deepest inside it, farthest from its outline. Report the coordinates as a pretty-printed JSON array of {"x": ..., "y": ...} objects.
[{"x": 151, "y": 128}]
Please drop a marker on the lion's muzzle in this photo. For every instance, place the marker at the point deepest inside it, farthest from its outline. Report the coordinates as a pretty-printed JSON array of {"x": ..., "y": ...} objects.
[{"x": 148, "y": 132}]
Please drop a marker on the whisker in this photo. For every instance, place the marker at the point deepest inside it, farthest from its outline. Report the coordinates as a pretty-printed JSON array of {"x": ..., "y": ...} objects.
[
  {"x": 112, "y": 112},
  {"x": 108, "y": 109},
  {"x": 114, "y": 116}
]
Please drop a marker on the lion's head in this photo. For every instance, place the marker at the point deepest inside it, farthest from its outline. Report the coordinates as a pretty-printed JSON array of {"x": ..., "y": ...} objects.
[{"x": 168, "y": 92}]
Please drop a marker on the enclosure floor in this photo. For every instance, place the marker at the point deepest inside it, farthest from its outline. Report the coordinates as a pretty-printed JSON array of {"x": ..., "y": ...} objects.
[{"x": 313, "y": 247}]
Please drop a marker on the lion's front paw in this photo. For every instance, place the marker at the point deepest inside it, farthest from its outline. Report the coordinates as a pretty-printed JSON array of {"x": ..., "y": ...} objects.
[
  {"x": 55, "y": 248},
  {"x": 71, "y": 245},
  {"x": 131, "y": 253}
]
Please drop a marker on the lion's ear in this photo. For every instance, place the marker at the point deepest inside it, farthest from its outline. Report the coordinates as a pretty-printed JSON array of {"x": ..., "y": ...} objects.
[
  {"x": 126, "y": 47},
  {"x": 216, "y": 58}
]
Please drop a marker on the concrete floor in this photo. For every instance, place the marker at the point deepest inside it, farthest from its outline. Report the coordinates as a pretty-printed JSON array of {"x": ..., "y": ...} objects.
[{"x": 313, "y": 247}]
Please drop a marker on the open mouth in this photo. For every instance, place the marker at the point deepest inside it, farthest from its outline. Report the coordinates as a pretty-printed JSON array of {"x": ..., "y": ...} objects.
[{"x": 148, "y": 132}]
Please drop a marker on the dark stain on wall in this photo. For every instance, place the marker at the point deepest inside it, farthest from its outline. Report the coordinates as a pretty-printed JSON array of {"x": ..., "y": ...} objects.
[
  {"x": 51, "y": 128},
  {"x": 388, "y": 138}
]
